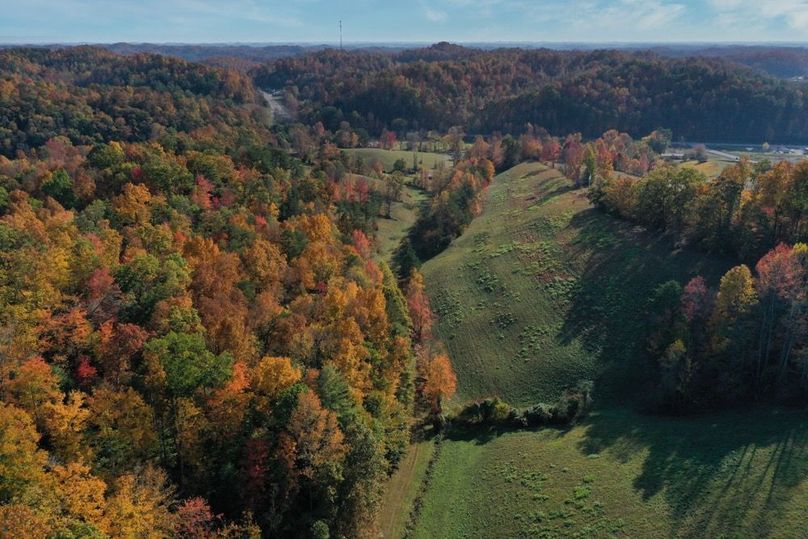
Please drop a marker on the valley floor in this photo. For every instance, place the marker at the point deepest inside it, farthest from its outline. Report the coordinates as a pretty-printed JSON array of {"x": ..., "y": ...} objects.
[{"x": 624, "y": 474}]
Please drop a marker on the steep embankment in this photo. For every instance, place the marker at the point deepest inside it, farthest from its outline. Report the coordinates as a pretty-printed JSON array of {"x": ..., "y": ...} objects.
[{"x": 542, "y": 291}]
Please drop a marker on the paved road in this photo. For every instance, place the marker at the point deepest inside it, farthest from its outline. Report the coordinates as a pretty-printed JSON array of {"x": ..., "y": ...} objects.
[{"x": 724, "y": 155}]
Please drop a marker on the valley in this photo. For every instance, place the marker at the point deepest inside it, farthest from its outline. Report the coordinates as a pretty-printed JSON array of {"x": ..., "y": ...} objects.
[{"x": 540, "y": 291}]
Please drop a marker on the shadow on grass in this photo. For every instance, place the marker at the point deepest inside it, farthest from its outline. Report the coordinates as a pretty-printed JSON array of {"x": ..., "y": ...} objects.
[
  {"x": 622, "y": 265},
  {"x": 481, "y": 435},
  {"x": 721, "y": 475}
]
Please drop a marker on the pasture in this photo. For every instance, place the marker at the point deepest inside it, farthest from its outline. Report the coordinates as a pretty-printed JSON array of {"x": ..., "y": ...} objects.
[
  {"x": 541, "y": 291},
  {"x": 389, "y": 157},
  {"x": 624, "y": 474}
]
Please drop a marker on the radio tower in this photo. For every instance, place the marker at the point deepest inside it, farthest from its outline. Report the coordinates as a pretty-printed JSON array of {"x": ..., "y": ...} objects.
[{"x": 340, "y": 34}]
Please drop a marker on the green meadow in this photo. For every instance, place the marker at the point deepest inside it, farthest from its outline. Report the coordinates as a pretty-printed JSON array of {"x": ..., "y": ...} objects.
[
  {"x": 542, "y": 291},
  {"x": 388, "y": 157}
]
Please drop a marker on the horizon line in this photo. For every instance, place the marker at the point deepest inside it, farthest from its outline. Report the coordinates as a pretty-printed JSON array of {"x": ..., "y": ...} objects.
[{"x": 396, "y": 43}]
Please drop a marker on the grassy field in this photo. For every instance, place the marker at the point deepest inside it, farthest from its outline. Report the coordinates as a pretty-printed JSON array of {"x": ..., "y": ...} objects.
[
  {"x": 622, "y": 474},
  {"x": 402, "y": 489},
  {"x": 402, "y": 216},
  {"x": 710, "y": 168},
  {"x": 389, "y": 157},
  {"x": 541, "y": 291}
]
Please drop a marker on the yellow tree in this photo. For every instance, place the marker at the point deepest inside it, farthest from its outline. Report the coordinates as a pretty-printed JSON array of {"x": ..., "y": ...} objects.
[
  {"x": 33, "y": 387},
  {"x": 440, "y": 382},
  {"x": 318, "y": 439},
  {"x": 21, "y": 461},
  {"x": 139, "y": 506},
  {"x": 271, "y": 376},
  {"x": 731, "y": 326},
  {"x": 65, "y": 423},
  {"x": 418, "y": 305},
  {"x": 79, "y": 497}
]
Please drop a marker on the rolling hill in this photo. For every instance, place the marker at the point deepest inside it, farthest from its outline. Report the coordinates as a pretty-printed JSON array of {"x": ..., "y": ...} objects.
[{"x": 539, "y": 292}]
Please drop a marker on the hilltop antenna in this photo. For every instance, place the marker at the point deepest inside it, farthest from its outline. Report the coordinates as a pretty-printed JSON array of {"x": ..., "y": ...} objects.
[{"x": 340, "y": 34}]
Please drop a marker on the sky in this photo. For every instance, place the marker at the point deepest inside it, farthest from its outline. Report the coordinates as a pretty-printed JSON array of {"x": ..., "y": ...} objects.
[{"x": 410, "y": 21}]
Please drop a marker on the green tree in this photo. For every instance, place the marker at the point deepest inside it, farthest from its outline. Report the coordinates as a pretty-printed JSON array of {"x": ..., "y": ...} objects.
[
  {"x": 186, "y": 363},
  {"x": 60, "y": 187}
]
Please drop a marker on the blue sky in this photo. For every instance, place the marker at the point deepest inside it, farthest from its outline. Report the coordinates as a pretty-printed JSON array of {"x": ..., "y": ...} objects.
[{"x": 195, "y": 21}]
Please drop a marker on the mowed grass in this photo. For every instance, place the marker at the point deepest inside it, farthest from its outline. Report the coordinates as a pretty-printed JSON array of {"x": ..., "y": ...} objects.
[
  {"x": 389, "y": 157},
  {"x": 390, "y": 231},
  {"x": 542, "y": 290},
  {"x": 402, "y": 489},
  {"x": 623, "y": 474}
]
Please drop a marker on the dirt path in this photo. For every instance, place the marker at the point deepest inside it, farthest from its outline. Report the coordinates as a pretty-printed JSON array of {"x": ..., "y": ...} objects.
[{"x": 280, "y": 113}]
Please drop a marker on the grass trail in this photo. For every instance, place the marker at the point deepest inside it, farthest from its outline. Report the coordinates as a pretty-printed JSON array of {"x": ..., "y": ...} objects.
[
  {"x": 403, "y": 488},
  {"x": 403, "y": 214}
]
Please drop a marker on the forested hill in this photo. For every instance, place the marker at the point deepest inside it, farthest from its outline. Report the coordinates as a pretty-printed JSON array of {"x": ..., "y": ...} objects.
[
  {"x": 563, "y": 91},
  {"x": 91, "y": 95},
  {"x": 780, "y": 61}
]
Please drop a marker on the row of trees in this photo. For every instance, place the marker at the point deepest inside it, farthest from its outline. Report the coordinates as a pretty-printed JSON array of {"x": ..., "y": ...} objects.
[{"x": 746, "y": 211}]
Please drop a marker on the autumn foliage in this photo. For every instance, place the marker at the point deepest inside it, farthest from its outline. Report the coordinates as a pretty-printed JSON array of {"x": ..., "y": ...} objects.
[{"x": 197, "y": 337}]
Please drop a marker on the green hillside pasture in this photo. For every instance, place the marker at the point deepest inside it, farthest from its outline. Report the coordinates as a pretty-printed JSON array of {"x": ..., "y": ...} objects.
[
  {"x": 403, "y": 214},
  {"x": 389, "y": 157},
  {"x": 622, "y": 474},
  {"x": 542, "y": 290}
]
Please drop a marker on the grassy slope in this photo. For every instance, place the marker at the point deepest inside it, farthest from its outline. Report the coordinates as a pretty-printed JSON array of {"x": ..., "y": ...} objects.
[
  {"x": 389, "y": 157},
  {"x": 540, "y": 291},
  {"x": 402, "y": 216}
]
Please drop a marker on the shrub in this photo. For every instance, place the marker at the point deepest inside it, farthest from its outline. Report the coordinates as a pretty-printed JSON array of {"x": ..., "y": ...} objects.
[
  {"x": 573, "y": 404},
  {"x": 494, "y": 412},
  {"x": 491, "y": 411},
  {"x": 539, "y": 414}
]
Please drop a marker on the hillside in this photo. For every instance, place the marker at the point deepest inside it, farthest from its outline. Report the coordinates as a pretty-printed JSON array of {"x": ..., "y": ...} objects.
[
  {"x": 562, "y": 91},
  {"x": 542, "y": 290}
]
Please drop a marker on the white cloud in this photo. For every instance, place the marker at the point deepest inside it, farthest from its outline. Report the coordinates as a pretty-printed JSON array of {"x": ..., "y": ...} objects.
[
  {"x": 621, "y": 17},
  {"x": 794, "y": 13},
  {"x": 433, "y": 15}
]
